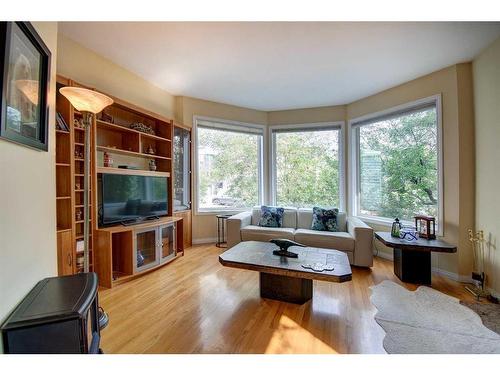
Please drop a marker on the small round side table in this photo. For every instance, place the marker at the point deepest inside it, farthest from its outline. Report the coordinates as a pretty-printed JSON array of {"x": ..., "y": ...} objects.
[{"x": 221, "y": 229}]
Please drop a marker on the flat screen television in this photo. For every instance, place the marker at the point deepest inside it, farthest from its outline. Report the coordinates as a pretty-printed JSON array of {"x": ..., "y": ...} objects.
[{"x": 127, "y": 198}]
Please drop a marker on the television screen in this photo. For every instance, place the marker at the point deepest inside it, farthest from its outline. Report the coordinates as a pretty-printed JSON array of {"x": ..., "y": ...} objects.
[{"x": 125, "y": 198}]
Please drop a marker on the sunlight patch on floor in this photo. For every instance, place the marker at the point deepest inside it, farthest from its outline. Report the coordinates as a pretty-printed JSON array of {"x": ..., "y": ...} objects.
[{"x": 290, "y": 337}]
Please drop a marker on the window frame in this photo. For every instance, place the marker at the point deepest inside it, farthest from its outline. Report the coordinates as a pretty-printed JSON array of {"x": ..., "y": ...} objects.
[
  {"x": 230, "y": 125},
  {"x": 187, "y": 164},
  {"x": 354, "y": 177},
  {"x": 331, "y": 125}
]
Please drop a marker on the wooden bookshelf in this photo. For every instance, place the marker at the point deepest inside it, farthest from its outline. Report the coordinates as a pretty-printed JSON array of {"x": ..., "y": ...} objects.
[
  {"x": 69, "y": 174},
  {"x": 115, "y": 132}
]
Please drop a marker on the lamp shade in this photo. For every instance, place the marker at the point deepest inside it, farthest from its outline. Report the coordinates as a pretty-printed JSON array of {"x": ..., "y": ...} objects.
[
  {"x": 86, "y": 100},
  {"x": 29, "y": 88}
]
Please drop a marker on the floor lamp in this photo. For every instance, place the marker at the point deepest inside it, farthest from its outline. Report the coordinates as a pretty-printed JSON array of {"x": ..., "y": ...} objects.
[{"x": 89, "y": 103}]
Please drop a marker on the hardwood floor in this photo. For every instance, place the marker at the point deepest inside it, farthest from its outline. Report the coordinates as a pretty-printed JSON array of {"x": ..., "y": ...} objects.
[{"x": 195, "y": 305}]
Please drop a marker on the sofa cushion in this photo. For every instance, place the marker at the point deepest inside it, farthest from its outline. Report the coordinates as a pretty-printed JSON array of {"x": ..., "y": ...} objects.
[
  {"x": 289, "y": 217},
  {"x": 271, "y": 217},
  {"x": 325, "y": 219},
  {"x": 256, "y": 233},
  {"x": 329, "y": 240},
  {"x": 305, "y": 217}
]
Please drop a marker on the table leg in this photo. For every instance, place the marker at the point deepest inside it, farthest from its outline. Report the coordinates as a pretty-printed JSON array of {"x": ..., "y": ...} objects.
[
  {"x": 413, "y": 266},
  {"x": 218, "y": 244},
  {"x": 285, "y": 288}
]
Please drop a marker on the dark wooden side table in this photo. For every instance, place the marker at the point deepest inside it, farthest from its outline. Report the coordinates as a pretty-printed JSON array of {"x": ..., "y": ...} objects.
[
  {"x": 412, "y": 260},
  {"x": 221, "y": 229}
]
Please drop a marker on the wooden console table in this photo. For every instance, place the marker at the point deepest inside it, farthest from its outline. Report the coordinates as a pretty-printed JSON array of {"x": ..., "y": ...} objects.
[
  {"x": 412, "y": 260},
  {"x": 117, "y": 258}
]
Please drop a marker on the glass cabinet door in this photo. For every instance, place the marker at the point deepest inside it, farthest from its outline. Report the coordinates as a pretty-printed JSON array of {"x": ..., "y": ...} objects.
[
  {"x": 167, "y": 239},
  {"x": 145, "y": 249},
  {"x": 182, "y": 169}
]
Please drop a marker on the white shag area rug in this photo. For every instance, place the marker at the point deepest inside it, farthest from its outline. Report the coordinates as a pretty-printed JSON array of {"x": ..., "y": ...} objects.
[{"x": 429, "y": 322}]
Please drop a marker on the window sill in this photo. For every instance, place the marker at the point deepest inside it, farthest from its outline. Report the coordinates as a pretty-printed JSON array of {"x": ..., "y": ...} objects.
[
  {"x": 387, "y": 223},
  {"x": 377, "y": 221},
  {"x": 217, "y": 212}
]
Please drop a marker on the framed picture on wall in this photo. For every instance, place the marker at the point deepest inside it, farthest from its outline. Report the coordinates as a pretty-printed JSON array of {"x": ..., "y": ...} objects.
[{"x": 24, "y": 83}]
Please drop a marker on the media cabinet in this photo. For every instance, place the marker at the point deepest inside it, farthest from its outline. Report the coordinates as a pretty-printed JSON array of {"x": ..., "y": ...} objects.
[
  {"x": 113, "y": 250},
  {"x": 125, "y": 252}
]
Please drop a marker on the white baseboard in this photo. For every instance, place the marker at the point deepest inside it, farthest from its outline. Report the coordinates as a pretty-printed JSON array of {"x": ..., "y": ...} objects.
[
  {"x": 435, "y": 270},
  {"x": 494, "y": 293},
  {"x": 200, "y": 241},
  {"x": 385, "y": 256}
]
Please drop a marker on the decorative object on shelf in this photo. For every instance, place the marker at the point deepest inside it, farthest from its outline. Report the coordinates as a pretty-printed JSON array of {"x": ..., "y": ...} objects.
[
  {"x": 77, "y": 186},
  {"x": 284, "y": 244},
  {"x": 89, "y": 103},
  {"x": 61, "y": 123},
  {"x": 139, "y": 126},
  {"x": 79, "y": 261},
  {"x": 408, "y": 233},
  {"x": 78, "y": 154},
  {"x": 108, "y": 160},
  {"x": 78, "y": 123},
  {"x": 396, "y": 228},
  {"x": 79, "y": 246},
  {"x": 127, "y": 167},
  {"x": 107, "y": 117},
  {"x": 426, "y": 226},
  {"x": 152, "y": 165},
  {"x": 78, "y": 215},
  {"x": 478, "y": 276},
  {"x": 25, "y": 61},
  {"x": 318, "y": 267},
  {"x": 151, "y": 150},
  {"x": 140, "y": 258}
]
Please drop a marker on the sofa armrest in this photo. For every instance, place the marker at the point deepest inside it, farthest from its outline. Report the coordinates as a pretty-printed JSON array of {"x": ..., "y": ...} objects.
[
  {"x": 363, "y": 238},
  {"x": 234, "y": 225}
]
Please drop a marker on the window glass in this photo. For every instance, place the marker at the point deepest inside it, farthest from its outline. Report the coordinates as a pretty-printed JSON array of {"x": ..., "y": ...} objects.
[
  {"x": 306, "y": 167},
  {"x": 229, "y": 172},
  {"x": 398, "y": 166}
]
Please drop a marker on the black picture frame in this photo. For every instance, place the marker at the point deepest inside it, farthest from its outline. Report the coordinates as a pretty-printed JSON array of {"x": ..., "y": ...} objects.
[{"x": 34, "y": 133}]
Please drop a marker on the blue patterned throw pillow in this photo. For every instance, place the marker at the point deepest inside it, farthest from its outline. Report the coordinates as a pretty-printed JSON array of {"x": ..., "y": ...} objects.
[
  {"x": 325, "y": 219},
  {"x": 271, "y": 216}
]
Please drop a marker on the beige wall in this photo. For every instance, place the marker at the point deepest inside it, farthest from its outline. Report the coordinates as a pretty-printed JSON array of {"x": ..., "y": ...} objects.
[
  {"x": 27, "y": 203},
  {"x": 308, "y": 115},
  {"x": 85, "y": 66},
  {"x": 486, "y": 69}
]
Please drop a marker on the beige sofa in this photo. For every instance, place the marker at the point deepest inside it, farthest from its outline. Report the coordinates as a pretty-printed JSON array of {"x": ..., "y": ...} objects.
[{"x": 355, "y": 238}]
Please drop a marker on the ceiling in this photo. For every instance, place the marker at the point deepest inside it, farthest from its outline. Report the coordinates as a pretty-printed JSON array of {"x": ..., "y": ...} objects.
[{"x": 282, "y": 65}]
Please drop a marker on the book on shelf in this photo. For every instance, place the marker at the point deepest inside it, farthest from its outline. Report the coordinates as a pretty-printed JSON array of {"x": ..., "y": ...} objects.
[
  {"x": 61, "y": 124},
  {"x": 79, "y": 246}
]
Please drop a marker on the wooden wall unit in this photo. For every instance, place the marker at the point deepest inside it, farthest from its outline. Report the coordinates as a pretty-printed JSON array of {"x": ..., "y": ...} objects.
[
  {"x": 187, "y": 239},
  {"x": 111, "y": 133}
]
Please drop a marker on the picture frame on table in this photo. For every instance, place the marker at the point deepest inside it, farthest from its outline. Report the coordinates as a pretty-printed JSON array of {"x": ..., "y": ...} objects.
[{"x": 24, "y": 85}]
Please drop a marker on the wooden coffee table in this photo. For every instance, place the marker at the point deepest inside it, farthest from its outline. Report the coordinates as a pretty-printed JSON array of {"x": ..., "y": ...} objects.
[
  {"x": 412, "y": 260},
  {"x": 284, "y": 278}
]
